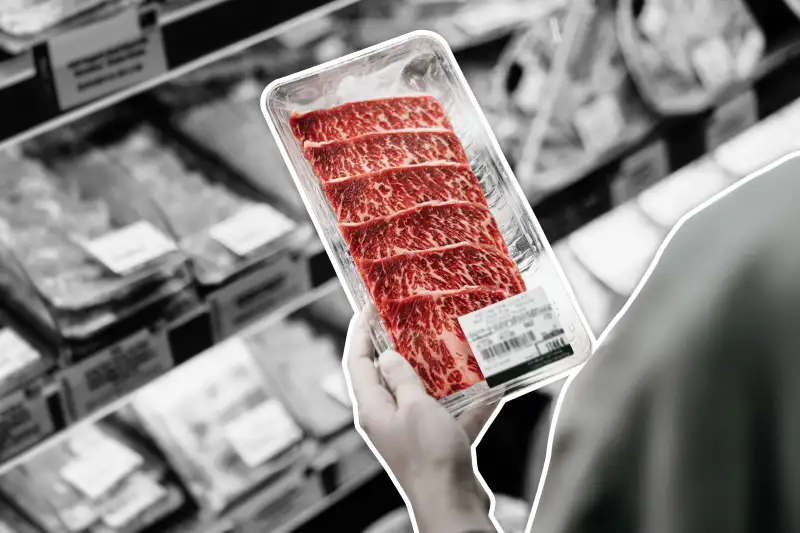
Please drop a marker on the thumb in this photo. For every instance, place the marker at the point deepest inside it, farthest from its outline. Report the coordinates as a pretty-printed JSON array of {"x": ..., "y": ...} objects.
[{"x": 400, "y": 377}]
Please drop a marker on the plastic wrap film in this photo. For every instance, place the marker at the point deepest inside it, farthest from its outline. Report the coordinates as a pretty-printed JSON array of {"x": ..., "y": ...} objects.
[
  {"x": 92, "y": 481},
  {"x": 589, "y": 104},
  {"x": 421, "y": 63},
  {"x": 684, "y": 54},
  {"x": 222, "y": 427},
  {"x": 194, "y": 205},
  {"x": 305, "y": 367},
  {"x": 58, "y": 259}
]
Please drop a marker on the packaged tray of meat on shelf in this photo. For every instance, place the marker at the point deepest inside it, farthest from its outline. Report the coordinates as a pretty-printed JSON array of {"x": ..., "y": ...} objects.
[
  {"x": 305, "y": 367},
  {"x": 94, "y": 480},
  {"x": 222, "y": 427},
  {"x": 84, "y": 258},
  {"x": 422, "y": 217},
  {"x": 589, "y": 105}
]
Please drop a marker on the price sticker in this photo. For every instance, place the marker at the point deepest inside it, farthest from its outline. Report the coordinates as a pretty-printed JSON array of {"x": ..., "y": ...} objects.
[
  {"x": 116, "y": 371},
  {"x": 139, "y": 494},
  {"x": 599, "y": 123},
  {"x": 103, "y": 57},
  {"x": 515, "y": 336},
  {"x": 96, "y": 471},
  {"x": 15, "y": 354},
  {"x": 262, "y": 433},
  {"x": 713, "y": 62},
  {"x": 252, "y": 228},
  {"x": 336, "y": 386},
  {"x": 126, "y": 249}
]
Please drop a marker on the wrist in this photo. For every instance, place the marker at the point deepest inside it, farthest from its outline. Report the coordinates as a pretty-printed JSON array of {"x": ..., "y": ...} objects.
[{"x": 443, "y": 503}]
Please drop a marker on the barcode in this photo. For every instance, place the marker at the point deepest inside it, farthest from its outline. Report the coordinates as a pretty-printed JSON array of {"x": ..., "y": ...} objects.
[
  {"x": 555, "y": 344},
  {"x": 509, "y": 345}
]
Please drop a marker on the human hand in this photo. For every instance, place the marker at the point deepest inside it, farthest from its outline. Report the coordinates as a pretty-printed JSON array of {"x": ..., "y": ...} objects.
[{"x": 427, "y": 450}]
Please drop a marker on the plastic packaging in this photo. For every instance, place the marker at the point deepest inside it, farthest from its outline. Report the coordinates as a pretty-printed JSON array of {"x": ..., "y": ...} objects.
[
  {"x": 82, "y": 250},
  {"x": 305, "y": 368},
  {"x": 213, "y": 223},
  {"x": 421, "y": 63},
  {"x": 589, "y": 105},
  {"x": 93, "y": 481},
  {"x": 684, "y": 54},
  {"x": 223, "y": 429}
]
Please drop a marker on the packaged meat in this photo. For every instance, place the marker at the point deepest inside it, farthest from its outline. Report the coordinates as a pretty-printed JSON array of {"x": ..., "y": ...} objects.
[
  {"x": 304, "y": 366},
  {"x": 81, "y": 249},
  {"x": 232, "y": 129},
  {"x": 93, "y": 481},
  {"x": 222, "y": 230},
  {"x": 224, "y": 430},
  {"x": 421, "y": 216},
  {"x": 589, "y": 104},
  {"x": 683, "y": 55}
]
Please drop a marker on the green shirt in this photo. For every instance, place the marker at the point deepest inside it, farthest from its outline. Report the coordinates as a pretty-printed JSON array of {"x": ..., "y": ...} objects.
[{"x": 687, "y": 419}]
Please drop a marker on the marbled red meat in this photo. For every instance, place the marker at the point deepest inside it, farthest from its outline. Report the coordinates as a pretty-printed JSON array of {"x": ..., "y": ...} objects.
[
  {"x": 421, "y": 228},
  {"x": 425, "y": 330},
  {"x": 383, "y": 193},
  {"x": 440, "y": 269},
  {"x": 379, "y": 151},
  {"x": 370, "y": 116}
]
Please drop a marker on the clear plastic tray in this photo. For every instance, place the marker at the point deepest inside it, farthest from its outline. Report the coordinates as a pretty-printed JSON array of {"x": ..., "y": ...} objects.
[{"x": 421, "y": 63}]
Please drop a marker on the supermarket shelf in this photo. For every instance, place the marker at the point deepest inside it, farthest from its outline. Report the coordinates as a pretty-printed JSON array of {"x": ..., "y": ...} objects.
[
  {"x": 194, "y": 36},
  {"x": 594, "y": 188},
  {"x": 55, "y": 393}
]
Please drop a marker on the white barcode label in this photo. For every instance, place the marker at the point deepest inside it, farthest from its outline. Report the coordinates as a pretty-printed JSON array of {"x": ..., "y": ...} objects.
[
  {"x": 515, "y": 336},
  {"x": 251, "y": 228},
  {"x": 128, "y": 248}
]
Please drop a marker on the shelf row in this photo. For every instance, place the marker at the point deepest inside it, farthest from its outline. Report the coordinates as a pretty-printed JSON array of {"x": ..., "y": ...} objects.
[{"x": 254, "y": 432}]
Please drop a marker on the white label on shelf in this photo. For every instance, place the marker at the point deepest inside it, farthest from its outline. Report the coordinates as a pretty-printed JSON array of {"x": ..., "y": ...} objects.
[
  {"x": 97, "y": 470},
  {"x": 137, "y": 495},
  {"x": 115, "y": 372},
  {"x": 599, "y": 123},
  {"x": 24, "y": 421},
  {"x": 713, "y": 62},
  {"x": 640, "y": 171},
  {"x": 15, "y": 353},
  {"x": 336, "y": 386},
  {"x": 515, "y": 336},
  {"x": 103, "y": 57},
  {"x": 128, "y": 248},
  {"x": 731, "y": 118},
  {"x": 252, "y": 228},
  {"x": 262, "y": 433},
  {"x": 246, "y": 299}
]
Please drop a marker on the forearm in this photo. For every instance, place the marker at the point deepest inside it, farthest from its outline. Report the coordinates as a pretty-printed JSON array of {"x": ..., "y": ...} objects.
[{"x": 445, "y": 505}]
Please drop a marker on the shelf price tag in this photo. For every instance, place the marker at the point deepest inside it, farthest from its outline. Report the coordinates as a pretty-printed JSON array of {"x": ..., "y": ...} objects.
[
  {"x": 115, "y": 372},
  {"x": 271, "y": 283},
  {"x": 731, "y": 118},
  {"x": 24, "y": 421},
  {"x": 103, "y": 57}
]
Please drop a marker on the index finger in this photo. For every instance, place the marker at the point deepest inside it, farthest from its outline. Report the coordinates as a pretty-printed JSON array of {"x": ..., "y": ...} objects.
[{"x": 365, "y": 380}]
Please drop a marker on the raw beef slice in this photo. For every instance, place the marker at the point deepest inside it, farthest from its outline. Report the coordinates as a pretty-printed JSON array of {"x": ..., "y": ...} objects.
[
  {"x": 421, "y": 228},
  {"x": 378, "y": 151},
  {"x": 440, "y": 269},
  {"x": 370, "y": 116},
  {"x": 383, "y": 193},
  {"x": 425, "y": 330}
]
